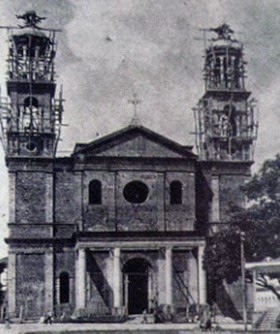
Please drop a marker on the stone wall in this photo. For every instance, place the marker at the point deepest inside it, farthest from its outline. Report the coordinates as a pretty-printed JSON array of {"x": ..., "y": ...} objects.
[
  {"x": 65, "y": 263},
  {"x": 231, "y": 194},
  {"x": 99, "y": 298},
  {"x": 30, "y": 197},
  {"x": 30, "y": 284},
  {"x": 68, "y": 197},
  {"x": 116, "y": 213}
]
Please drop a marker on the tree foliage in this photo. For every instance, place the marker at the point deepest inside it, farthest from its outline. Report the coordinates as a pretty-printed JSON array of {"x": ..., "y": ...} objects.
[{"x": 261, "y": 224}]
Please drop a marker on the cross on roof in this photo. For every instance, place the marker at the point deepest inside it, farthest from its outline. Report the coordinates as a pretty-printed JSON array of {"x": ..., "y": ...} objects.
[{"x": 135, "y": 101}]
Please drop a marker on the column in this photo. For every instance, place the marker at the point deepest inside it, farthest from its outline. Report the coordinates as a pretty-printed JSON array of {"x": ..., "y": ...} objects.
[
  {"x": 81, "y": 279},
  {"x": 168, "y": 275},
  {"x": 117, "y": 277},
  {"x": 201, "y": 277},
  {"x": 49, "y": 281},
  {"x": 12, "y": 284},
  {"x": 193, "y": 275}
]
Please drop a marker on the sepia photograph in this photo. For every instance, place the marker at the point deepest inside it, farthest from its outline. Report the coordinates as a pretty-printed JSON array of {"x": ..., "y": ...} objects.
[{"x": 139, "y": 166}]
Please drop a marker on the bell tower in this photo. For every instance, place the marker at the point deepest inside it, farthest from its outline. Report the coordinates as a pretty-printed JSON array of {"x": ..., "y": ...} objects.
[
  {"x": 226, "y": 126},
  {"x": 31, "y": 117}
]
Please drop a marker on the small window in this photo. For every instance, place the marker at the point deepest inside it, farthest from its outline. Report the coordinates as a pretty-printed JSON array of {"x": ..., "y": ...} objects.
[
  {"x": 175, "y": 192},
  {"x": 64, "y": 288},
  {"x": 95, "y": 192}
]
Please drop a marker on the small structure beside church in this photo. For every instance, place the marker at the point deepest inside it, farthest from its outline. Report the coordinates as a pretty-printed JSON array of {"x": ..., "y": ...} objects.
[
  {"x": 265, "y": 272},
  {"x": 118, "y": 227}
]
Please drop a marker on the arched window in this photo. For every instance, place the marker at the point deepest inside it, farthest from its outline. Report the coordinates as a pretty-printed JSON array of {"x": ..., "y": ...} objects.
[
  {"x": 217, "y": 72},
  {"x": 30, "y": 115},
  {"x": 31, "y": 102},
  {"x": 175, "y": 192},
  {"x": 230, "y": 112},
  {"x": 95, "y": 192},
  {"x": 64, "y": 288}
]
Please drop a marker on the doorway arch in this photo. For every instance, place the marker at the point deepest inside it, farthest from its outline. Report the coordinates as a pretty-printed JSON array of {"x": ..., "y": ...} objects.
[{"x": 136, "y": 285}]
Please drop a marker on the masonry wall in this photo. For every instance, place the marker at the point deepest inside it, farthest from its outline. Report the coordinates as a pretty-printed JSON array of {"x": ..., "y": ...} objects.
[
  {"x": 30, "y": 197},
  {"x": 30, "y": 284},
  {"x": 99, "y": 298},
  {"x": 64, "y": 263},
  {"x": 115, "y": 212},
  {"x": 231, "y": 194},
  {"x": 100, "y": 217},
  {"x": 68, "y": 197},
  {"x": 180, "y": 217}
]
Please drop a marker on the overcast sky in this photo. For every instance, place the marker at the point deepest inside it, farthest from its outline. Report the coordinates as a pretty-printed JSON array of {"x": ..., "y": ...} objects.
[{"x": 109, "y": 49}]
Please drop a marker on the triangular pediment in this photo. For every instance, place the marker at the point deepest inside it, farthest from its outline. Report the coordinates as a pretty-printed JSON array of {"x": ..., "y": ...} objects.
[{"x": 134, "y": 141}]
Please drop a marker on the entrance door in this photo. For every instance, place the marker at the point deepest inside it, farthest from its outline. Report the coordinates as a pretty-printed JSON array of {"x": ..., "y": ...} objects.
[{"x": 136, "y": 273}]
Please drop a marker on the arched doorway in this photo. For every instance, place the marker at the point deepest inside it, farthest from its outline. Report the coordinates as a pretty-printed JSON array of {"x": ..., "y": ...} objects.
[{"x": 136, "y": 285}]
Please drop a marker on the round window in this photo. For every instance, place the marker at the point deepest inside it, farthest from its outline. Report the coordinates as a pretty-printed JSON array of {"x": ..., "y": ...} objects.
[
  {"x": 31, "y": 147},
  {"x": 136, "y": 192}
]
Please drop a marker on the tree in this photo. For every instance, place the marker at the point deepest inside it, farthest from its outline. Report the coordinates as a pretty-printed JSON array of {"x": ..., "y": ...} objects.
[{"x": 261, "y": 224}]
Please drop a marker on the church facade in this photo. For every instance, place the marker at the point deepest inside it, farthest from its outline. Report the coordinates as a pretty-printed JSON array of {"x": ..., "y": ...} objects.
[{"x": 120, "y": 225}]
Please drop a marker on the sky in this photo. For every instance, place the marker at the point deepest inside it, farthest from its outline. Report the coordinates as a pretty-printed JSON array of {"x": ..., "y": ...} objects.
[{"x": 110, "y": 49}]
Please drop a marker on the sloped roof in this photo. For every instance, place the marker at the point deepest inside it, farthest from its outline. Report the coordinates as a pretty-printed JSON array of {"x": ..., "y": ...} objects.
[{"x": 96, "y": 147}]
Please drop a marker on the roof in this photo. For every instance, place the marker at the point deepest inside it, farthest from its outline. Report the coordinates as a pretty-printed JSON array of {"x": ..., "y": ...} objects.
[
  {"x": 116, "y": 138},
  {"x": 263, "y": 265}
]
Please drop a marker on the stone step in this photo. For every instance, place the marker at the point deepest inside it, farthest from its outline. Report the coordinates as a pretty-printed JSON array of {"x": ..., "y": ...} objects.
[
  {"x": 140, "y": 319},
  {"x": 269, "y": 320}
]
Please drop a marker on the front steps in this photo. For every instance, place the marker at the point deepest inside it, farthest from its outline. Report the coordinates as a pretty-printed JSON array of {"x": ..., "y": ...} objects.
[{"x": 269, "y": 320}]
